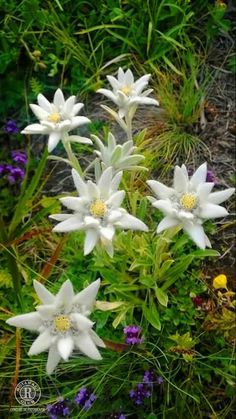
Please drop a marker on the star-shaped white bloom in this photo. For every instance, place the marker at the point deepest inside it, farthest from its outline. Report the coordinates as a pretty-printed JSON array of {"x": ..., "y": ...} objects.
[
  {"x": 118, "y": 156},
  {"x": 62, "y": 322},
  {"x": 57, "y": 119},
  {"x": 97, "y": 211},
  {"x": 189, "y": 203},
  {"x": 128, "y": 93}
]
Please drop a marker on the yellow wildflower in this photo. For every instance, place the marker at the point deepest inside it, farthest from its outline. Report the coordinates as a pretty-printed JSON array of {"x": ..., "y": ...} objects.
[{"x": 220, "y": 281}]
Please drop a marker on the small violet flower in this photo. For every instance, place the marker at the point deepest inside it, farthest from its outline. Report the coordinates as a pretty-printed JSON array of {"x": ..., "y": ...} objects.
[
  {"x": 85, "y": 399},
  {"x": 151, "y": 378},
  {"x": 58, "y": 409},
  {"x": 132, "y": 335},
  {"x": 117, "y": 416},
  {"x": 19, "y": 157},
  {"x": 140, "y": 393},
  {"x": 15, "y": 174},
  {"x": 11, "y": 127}
]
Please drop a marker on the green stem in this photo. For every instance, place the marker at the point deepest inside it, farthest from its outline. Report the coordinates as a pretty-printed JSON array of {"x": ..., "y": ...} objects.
[
  {"x": 128, "y": 121},
  {"x": 72, "y": 158},
  {"x": 12, "y": 264}
]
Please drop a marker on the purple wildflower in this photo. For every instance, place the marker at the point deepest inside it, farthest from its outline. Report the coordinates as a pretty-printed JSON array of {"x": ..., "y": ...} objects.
[
  {"x": 11, "y": 127},
  {"x": 85, "y": 399},
  {"x": 58, "y": 409},
  {"x": 19, "y": 157},
  {"x": 117, "y": 416},
  {"x": 15, "y": 174},
  {"x": 140, "y": 393},
  {"x": 211, "y": 177},
  {"x": 3, "y": 168},
  {"x": 151, "y": 378},
  {"x": 132, "y": 335}
]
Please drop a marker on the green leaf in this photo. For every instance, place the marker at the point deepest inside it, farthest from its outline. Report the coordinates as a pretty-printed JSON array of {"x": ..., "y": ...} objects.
[
  {"x": 205, "y": 253},
  {"x": 152, "y": 315},
  {"x": 161, "y": 296}
]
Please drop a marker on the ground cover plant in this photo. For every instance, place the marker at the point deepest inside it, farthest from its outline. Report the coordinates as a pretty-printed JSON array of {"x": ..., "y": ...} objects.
[{"x": 117, "y": 294}]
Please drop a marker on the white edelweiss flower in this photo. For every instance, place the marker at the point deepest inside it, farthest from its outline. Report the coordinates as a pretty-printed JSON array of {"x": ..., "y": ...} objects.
[
  {"x": 62, "y": 322},
  {"x": 57, "y": 119},
  {"x": 128, "y": 93},
  {"x": 189, "y": 203},
  {"x": 118, "y": 156},
  {"x": 97, "y": 211}
]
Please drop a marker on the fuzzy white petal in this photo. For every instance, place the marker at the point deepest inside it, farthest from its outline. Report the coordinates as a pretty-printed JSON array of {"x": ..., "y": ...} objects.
[
  {"x": 53, "y": 140},
  {"x": 65, "y": 295},
  {"x": 163, "y": 205},
  {"x": 30, "y": 321},
  {"x": 65, "y": 347},
  {"x": 209, "y": 210},
  {"x": 71, "y": 224},
  {"x": 44, "y": 103},
  {"x": 74, "y": 203},
  {"x": 116, "y": 199},
  {"x": 58, "y": 99},
  {"x": 39, "y": 112},
  {"x": 86, "y": 345},
  {"x": 45, "y": 296},
  {"x": 87, "y": 296},
  {"x": 91, "y": 239},
  {"x": 196, "y": 232},
  {"x": 200, "y": 175},
  {"x": 82, "y": 323},
  {"x": 79, "y": 183},
  {"x": 97, "y": 340},
  {"x": 221, "y": 196},
  {"x": 131, "y": 223},
  {"x": 180, "y": 180},
  {"x": 41, "y": 344},
  {"x": 167, "y": 222},
  {"x": 160, "y": 190},
  {"x": 34, "y": 129},
  {"x": 53, "y": 359}
]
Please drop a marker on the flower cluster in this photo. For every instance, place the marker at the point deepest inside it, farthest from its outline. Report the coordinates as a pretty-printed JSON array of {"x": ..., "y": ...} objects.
[
  {"x": 57, "y": 119},
  {"x": 11, "y": 127},
  {"x": 189, "y": 203},
  {"x": 58, "y": 409},
  {"x": 140, "y": 393},
  {"x": 127, "y": 94},
  {"x": 97, "y": 211},
  {"x": 133, "y": 335},
  {"x": 144, "y": 389},
  {"x": 85, "y": 399},
  {"x": 120, "y": 157},
  {"x": 14, "y": 174},
  {"x": 63, "y": 324},
  {"x": 151, "y": 378}
]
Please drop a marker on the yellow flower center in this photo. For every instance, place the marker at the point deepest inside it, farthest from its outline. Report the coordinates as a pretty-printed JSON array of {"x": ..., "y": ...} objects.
[
  {"x": 54, "y": 117},
  {"x": 188, "y": 201},
  {"x": 126, "y": 90},
  {"x": 98, "y": 208},
  {"x": 62, "y": 323}
]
